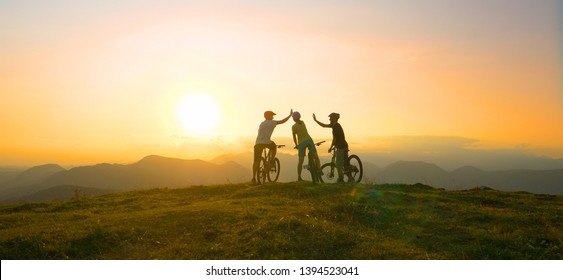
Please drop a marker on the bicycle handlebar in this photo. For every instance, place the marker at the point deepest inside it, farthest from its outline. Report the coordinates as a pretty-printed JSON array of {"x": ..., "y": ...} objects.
[{"x": 319, "y": 143}]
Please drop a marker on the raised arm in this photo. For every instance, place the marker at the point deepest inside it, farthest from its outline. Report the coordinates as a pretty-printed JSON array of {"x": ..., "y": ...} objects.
[
  {"x": 287, "y": 118},
  {"x": 320, "y": 123}
]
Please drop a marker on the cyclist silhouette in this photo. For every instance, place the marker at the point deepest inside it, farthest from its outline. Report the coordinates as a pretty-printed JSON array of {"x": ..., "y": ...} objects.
[
  {"x": 338, "y": 142},
  {"x": 263, "y": 140},
  {"x": 299, "y": 131}
]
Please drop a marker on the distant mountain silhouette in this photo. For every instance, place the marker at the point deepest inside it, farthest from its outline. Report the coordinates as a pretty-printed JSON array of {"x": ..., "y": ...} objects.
[
  {"x": 468, "y": 176},
  {"x": 7, "y": 174},
  {"x": 536, "y": 181},
  {"x": 52, "y": 181},
  {"x": 370, "y": 171},
  {"x": 33, "y": 175},
  {"x": 151, "y": 171},
  {"x": 244, "y": 159},
  {"x": 410, "y": 172}
]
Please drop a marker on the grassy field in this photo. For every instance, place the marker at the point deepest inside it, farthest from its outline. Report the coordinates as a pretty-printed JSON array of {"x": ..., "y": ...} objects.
[{"x": 288, "y": 221}]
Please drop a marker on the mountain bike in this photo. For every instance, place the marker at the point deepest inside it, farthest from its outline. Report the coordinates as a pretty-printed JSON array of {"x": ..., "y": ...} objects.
[
  {"x": 316, "y": 174},
  {"x": 269, "y": 169},
  {"x": 355, "y": 170}
]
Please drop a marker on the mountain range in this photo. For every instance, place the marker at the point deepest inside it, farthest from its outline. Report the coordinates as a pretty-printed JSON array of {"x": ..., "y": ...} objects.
[
  {"x": 149, "y": 172},
  {"x": 411, "y": 172},
  {"x": 53, "y": 182}
]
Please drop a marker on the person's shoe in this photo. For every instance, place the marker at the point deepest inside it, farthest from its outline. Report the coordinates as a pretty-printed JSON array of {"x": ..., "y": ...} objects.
[
  {"x": 340, "y": 180},
  {"x": 254, "y": 182},
  {"x": 300, "y": 180}
]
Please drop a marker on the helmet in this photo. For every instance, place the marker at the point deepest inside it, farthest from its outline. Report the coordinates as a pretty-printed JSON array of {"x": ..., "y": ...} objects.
[
  {"x": 269, "y": 114},
  {"x": 334, "y": 115},
  {"x": 296, "y": 115}
]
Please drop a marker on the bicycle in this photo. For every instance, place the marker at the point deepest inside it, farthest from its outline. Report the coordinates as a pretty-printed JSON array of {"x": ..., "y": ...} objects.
[
  {"x": 355, "y": 170},
  {"x": 266, "y": 169},
  {"x": 316, "y": 174}
]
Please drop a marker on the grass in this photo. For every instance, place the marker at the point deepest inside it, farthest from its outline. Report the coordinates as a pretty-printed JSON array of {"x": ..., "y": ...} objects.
[{"x": 288, "y": 221}]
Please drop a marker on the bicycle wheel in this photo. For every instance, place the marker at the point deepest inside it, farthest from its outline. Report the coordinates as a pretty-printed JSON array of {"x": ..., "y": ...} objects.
[
  {"x": 312, "y": 167},
  {"x": 262, "y": 173},
  {"x": 330, "y": 174},
  {"x": 274, "y": 172},
  {"x": 356, "y": 169}
]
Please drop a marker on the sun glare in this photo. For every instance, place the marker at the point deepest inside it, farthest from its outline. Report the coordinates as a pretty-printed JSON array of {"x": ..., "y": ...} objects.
[{"x": 198, "y": 114}]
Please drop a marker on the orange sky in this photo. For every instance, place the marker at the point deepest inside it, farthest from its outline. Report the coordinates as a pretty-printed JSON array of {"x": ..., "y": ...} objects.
[{"x": 84, "y": 83}]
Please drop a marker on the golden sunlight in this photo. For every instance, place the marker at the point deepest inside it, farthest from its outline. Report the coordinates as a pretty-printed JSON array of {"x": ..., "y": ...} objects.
[{"x": 198, "y": 114}]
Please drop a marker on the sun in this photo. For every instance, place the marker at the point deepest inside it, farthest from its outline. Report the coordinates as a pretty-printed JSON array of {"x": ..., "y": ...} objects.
[{"x": 198, "y": 113}]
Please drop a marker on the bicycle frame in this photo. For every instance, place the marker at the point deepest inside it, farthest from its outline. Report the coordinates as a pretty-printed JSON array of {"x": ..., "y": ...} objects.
[
  {"x": 315, "y": 174},
  {"x": 332, "y": 167}
]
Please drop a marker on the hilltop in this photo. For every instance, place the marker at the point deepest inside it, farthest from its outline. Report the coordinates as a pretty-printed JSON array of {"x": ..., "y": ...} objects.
[{"x": 288, "y": 221}]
